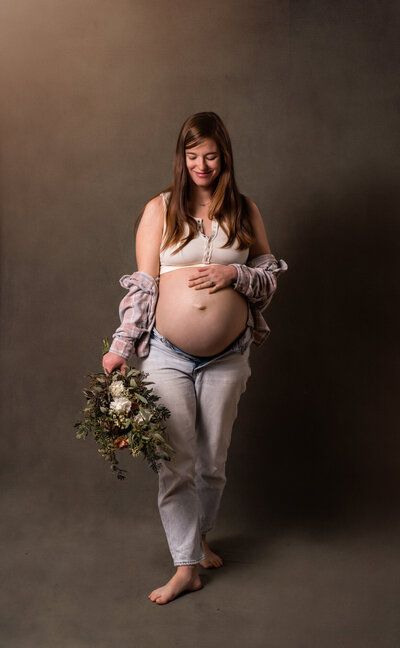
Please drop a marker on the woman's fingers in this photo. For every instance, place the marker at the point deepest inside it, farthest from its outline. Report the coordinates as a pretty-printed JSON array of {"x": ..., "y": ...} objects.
[
  {"x": 198, "y": 280},
  {"x": 202, "y": 274},
  {"x": 212, "y": 277},
  {"x": 111, "y": 363},
  {"x": 204, "y": 279},
  {"x": 199, "y": 283},
  {"x": 108, "y": 371},
  {"x": 199, "y": 272},
  {"x": 205, "y": 283}
]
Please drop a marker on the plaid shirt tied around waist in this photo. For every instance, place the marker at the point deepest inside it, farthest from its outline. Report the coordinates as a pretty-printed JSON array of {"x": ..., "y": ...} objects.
[{"x": 257, "y": 281}]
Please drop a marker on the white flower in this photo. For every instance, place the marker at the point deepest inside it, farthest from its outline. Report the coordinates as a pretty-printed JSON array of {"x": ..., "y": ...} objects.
[
  {"x": 116, "y": 388},
  {"x": 121, "y": 405},
  {"x": 138, "y": 418}
]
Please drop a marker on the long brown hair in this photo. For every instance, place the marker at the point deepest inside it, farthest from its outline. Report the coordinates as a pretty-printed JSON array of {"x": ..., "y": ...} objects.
[{"x": 228, "y": 206}]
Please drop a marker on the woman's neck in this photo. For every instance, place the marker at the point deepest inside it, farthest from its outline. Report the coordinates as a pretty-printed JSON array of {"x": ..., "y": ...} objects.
[{"x": 200, "y": 196}]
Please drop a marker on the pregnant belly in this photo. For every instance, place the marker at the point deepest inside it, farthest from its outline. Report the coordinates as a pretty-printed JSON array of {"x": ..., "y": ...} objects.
[{"x": 197, "y": 322}]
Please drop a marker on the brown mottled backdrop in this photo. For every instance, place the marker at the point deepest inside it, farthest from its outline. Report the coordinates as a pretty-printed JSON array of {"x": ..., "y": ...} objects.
[{"x": 93, "y": 94}]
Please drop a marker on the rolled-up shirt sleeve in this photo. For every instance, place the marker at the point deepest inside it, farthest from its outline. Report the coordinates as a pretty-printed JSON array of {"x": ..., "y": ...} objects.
[
  {"x": 136, "y": 312},
  {"x": 258, "y": 279}
]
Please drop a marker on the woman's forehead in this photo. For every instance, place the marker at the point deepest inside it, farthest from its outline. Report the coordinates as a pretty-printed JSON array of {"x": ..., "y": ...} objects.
[{"x": 206, "y": 145}]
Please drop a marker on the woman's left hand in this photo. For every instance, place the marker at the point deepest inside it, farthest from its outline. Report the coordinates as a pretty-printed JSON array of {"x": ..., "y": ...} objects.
[{"x": 214, "y": 277}]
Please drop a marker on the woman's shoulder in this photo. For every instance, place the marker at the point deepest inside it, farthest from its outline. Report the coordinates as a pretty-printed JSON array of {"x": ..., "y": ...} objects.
[
  {"x": 165, "y": 195},
  {"x": 153, "y": 212},
  {"x": 159, "y": 202},
  {"x": 249, "y": 202},
  {"x": 155, "y": 202},
  {"x": 260, "y": 244},
  {"x": 252, "y": 209}
]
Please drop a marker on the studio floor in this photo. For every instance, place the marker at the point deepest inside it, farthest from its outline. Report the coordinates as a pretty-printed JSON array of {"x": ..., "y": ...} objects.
[{"x": 76, "y": 579}]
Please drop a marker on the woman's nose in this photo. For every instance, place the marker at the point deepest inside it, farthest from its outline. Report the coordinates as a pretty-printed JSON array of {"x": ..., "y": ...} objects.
[{"x": 203, "y": 164}]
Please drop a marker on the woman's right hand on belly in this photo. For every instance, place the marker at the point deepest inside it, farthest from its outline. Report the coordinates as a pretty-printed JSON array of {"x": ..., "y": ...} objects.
[{"x": 112, "y": 361}]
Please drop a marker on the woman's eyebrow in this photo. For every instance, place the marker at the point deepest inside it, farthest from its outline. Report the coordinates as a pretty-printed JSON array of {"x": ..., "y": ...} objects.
[{"x": 193, "y": 153}]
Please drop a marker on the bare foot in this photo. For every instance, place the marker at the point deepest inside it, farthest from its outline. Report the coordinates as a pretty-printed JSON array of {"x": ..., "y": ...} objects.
[
  {"x": 211, "y": 559},
  {"x": 186, "y": 579}
]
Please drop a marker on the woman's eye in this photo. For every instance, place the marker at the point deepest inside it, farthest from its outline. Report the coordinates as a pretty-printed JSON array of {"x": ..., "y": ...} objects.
[{"x": 193, "y": 157}]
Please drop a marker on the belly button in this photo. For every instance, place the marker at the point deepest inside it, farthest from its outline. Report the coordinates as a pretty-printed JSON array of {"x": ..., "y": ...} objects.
[{"x": 199, "y": 306}]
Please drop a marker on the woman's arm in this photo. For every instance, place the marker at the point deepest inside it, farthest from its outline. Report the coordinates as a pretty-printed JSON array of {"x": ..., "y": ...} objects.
[
  {"x": 142, "y": 287},
  {"x": 260, "y": 245},
  {"x": 148, "y": 237},
  {"x": 257, "y": 279}
]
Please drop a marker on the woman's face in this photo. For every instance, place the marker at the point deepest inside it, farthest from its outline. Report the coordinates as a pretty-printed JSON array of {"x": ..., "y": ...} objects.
[{"x": 203, "y": 162}]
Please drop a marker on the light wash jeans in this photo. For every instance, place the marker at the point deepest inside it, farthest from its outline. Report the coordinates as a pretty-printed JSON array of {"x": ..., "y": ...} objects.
[{"x": 202, "y": 395}]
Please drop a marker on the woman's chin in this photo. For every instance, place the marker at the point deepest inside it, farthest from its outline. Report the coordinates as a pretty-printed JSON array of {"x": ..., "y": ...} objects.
[{"x": 203, "y": 182}]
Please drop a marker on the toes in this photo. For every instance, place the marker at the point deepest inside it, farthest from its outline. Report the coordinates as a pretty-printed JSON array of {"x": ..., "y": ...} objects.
[
  {"x": 156, "y": 598},
  {"x": 212, "y": 561},
  {"x": 159, "y": 597},
  {"x": 154, "y": 595},
  {"x": 206, "y": 564}
]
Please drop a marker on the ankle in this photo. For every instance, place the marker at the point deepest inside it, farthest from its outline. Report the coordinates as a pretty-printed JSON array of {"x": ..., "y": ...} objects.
[{"x": 186, "y": 569}]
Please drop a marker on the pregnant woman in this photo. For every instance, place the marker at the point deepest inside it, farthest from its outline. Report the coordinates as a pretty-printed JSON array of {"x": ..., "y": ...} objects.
[{"x": 193, "y": 308}]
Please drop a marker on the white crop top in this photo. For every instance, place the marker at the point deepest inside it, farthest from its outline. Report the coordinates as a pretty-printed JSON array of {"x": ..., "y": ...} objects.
[{"x": 202, "y": 250}]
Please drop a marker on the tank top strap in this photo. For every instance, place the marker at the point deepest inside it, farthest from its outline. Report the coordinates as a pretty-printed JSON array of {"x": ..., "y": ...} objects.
[{"x": 165, "y": 196}]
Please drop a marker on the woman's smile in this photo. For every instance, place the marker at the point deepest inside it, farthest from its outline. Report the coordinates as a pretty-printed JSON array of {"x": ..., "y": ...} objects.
[{"x": 203, "y": 161}]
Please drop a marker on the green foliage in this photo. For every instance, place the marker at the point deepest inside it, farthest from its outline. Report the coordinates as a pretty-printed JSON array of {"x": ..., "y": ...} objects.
[{"x": 139, "y": 429}]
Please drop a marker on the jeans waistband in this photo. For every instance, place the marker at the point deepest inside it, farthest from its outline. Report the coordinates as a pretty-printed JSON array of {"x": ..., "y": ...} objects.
[{"x": 239, "y": 345}]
